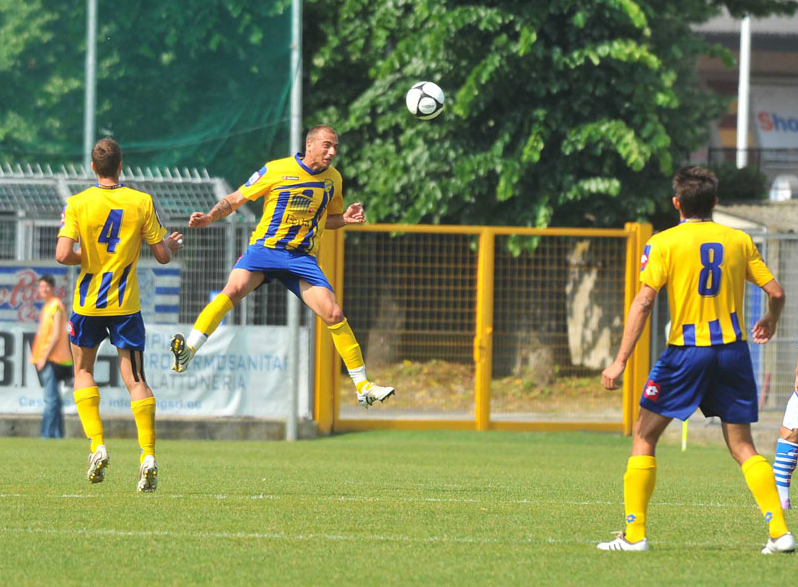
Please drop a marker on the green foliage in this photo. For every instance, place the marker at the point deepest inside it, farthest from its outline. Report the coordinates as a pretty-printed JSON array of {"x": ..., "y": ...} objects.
[
  {"x": 568, "y": 112},
  {"x": 199, "y": 83},
  {"x": 734, "y": 184}
]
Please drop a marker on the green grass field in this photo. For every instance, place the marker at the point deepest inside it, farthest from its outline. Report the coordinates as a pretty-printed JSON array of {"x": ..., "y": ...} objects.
[{"x": 380, "y": 508}]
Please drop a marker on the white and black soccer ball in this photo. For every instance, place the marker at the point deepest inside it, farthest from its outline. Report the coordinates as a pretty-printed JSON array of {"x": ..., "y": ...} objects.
[{"x": 425, "y": 100}]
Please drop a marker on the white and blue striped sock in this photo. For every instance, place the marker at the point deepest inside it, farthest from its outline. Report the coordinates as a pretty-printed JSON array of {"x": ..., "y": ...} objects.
[{"x": 784, "y": 465}]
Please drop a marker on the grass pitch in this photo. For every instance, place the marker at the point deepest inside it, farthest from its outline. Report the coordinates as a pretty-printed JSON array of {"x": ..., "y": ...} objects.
[{"x": 379, "y": 508}]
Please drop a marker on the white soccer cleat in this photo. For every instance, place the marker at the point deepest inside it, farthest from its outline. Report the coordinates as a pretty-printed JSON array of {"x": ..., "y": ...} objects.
[
  {"x": 620, "y": 543},
  {"x": 784, "y": 543},
  {"x": 148, "y": 475},
  {"x": 371, "y": 392},
  {"x": 98, "y": 462},
  {"x": 183, "y": 353}
]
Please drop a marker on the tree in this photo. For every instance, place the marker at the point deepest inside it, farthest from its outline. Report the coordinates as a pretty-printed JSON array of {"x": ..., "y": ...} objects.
[
  {"x": 199, "y": 83},
  {"x": 567, "y": 112}
]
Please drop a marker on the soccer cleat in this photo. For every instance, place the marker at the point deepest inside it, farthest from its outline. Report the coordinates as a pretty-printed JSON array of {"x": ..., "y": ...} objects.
[
  {"x": 784, "y": 543},
  {"x": 98, "y": 462},
  {"x": 370, "y": 392},
  {"x": 183, "y": 353},
  {"x": 148, "y": 475},
  {"x": 620, "y": 543}
]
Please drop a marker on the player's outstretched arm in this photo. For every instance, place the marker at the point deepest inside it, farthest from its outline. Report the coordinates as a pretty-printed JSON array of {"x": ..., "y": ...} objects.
[
  {"x": 635, "y": 323},
  {"x": 163, "y": 250},
  {"x": 65, "y": 253},
  {"x": 226, "y": 206},
  {"x": 354, "y": 214},
  {"x": 765, "y": 327}
]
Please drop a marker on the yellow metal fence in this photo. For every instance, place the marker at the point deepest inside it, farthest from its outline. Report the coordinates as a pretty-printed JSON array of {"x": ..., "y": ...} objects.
[{"x": 486, "y": 328}]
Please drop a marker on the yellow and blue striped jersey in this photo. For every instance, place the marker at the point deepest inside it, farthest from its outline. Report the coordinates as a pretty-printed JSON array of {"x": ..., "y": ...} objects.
[
  {"x": 705, "y": 266},
  {"x": 297, "y": 202},
  {"x": 110, "y": 224}
]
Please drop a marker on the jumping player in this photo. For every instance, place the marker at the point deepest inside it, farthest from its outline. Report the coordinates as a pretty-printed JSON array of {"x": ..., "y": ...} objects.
[{"x": 302, "y": 196}]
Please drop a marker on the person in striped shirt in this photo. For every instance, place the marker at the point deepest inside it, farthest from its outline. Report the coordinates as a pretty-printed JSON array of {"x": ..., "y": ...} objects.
[
  {"x": 111, "y": 222},
  {"x": 302, "y": 196},
  {"x": 706, "y": 364}
]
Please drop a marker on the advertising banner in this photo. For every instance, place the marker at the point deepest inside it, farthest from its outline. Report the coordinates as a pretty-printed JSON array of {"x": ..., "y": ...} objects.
[{"x": 241, "y": 371}]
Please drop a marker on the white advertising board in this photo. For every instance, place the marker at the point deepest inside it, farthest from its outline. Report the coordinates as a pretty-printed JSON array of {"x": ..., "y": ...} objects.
[{"x": 241, "y": 371}]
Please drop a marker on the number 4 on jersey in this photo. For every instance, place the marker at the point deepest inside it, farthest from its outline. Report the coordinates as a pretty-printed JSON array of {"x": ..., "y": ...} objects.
[{"x": 109, "y": 235}]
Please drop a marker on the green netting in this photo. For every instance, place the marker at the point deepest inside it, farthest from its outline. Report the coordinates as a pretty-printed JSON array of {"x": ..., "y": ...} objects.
[{"x": 198, "y": 84}]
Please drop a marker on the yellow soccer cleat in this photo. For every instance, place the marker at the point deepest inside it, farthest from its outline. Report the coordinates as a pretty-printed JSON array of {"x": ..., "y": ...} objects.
[{"x": 183, "y": 353}]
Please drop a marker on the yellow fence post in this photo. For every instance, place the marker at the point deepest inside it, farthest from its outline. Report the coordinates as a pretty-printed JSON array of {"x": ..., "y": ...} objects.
[
  {"x": 483, "y": 340},
  {"x": 326, "y": 363},
  {"x": 637, "y": 367}
]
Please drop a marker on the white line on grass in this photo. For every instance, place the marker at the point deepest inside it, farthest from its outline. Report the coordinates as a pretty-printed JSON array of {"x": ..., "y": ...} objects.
[
  {"x": 345, "y": 538},
  {"x": 489, "y": 501}
]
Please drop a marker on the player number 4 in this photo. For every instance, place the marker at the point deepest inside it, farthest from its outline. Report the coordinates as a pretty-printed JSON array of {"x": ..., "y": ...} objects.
[{"x": 109, "y": 235}]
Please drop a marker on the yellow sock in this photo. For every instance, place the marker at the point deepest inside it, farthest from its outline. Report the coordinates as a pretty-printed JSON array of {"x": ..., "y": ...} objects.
[
  {"x": 212, "y": 315},
  {"x": 144, "y": 414},
  {"x": 638, "y": 486},
  {"x": 759, "y": 476},
  {"x": 88, "y": 402},
  {"x": 346, "y": 345}
]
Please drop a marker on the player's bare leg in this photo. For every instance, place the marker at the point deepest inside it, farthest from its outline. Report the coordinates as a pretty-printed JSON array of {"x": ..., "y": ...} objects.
[
  {"x": 239, "y": 284},
  {"x": 323, "y": 303}
]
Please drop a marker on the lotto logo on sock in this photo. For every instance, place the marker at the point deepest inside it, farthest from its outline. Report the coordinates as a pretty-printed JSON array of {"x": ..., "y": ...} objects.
[{"x": 652, "y": 391}]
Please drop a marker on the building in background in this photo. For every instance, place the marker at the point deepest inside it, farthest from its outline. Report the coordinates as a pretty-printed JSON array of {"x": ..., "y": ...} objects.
[{"x": 773, "y": 116}]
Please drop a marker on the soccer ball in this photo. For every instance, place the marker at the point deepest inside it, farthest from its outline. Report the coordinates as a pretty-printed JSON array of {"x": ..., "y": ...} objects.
[{"x": 425, "y": 100}]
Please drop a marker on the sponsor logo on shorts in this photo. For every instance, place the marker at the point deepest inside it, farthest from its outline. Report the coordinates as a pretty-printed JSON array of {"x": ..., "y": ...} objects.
[
  {"x": 651, "y": 391},
  {"x": 70, "y": 328}
]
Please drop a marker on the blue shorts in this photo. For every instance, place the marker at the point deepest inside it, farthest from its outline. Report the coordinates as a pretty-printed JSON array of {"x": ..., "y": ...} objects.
[
  {"x": 126, "y": 332},
  {"x": 286, "y": 266},
  {"x": 718, "y": 379}
]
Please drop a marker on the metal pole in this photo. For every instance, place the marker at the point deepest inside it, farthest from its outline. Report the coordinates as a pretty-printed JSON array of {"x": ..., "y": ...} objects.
[
  {"x": 91, "y": 67},
  {"x": 742, "y": 93},
  {"x": 296, "y": 142}
]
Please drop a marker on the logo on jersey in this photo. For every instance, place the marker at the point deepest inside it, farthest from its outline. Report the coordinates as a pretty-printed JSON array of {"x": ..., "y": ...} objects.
[
  {"x": 291, "y": 177},
  {"x": 63, "y": 216},
  {"x": 70, "y": 328},
  {"x": 651, "y": 391},
  {"x": 644, "y": 257},
  {"x": 256, "y": 176}
]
